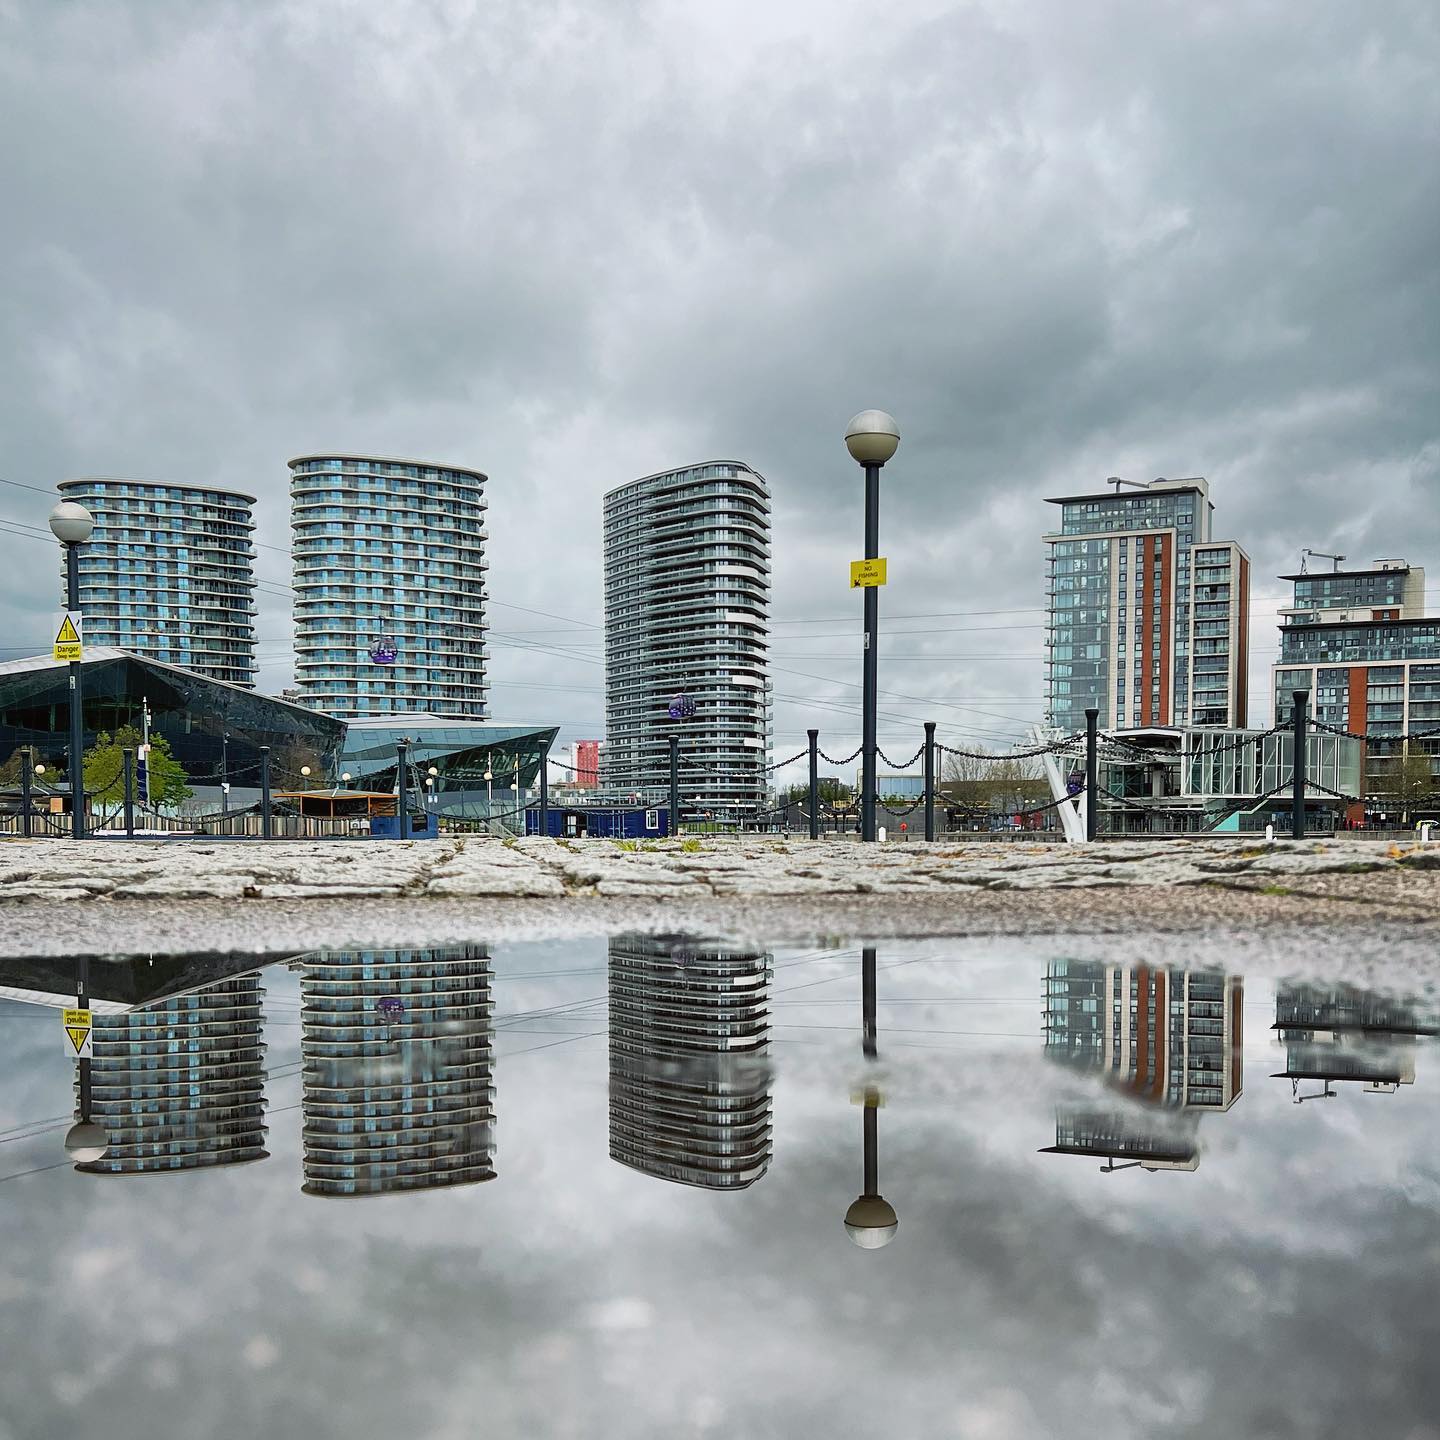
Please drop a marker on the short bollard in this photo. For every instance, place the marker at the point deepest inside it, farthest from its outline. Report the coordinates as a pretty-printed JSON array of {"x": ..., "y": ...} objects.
[{"x": 1269, "y": 832}]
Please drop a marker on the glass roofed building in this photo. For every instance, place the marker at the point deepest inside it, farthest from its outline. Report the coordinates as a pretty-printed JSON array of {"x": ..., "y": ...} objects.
[
  {"x": 214, "y": 728},
  {"x": 462, "y": 752},
  {"x": 197, "y": 716}
]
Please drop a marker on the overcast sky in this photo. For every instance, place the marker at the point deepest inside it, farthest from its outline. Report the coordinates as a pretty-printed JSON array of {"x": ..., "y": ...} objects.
[{"x": 570, "y": 245}]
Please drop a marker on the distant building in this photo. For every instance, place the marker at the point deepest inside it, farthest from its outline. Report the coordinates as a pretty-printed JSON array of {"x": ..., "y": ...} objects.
[
  {"x": 1166, "y": 1041},
  {"x": 1362, "y": 644},
  {"x": 1148, "y": 614},
  {"x": 587, "y": 762},
  {"x": 179, "y": 1083},
  {"x": 689, "y": 1061},
  {"x": 169, "y": 573},
  {"x": 1340, "y": 1033},
  {"x": 1165, "y": 779},
  {"x": 687, "y": 627},
  {"x": 389, "y": 586},
  {"x": 397, "y": 1048}
]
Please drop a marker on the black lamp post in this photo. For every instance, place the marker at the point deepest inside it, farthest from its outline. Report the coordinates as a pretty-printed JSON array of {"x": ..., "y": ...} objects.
[
  {"x": 72, "y": 525},
  {"x": 870, "y": 1222},
  {"x": 872, "y": 437}
]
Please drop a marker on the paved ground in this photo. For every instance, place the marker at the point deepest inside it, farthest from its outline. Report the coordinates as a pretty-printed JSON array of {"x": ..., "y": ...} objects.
[{"x": 57, "y": 896}]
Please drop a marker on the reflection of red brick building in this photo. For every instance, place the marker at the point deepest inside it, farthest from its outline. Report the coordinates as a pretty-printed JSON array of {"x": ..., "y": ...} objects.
[{"x": 587, "y": 762}]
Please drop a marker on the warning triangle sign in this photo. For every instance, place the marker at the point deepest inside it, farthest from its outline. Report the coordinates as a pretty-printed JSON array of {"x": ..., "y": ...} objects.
[
  {"x": 78, "y": 1035},
  {"x": 67, "y": 635}
]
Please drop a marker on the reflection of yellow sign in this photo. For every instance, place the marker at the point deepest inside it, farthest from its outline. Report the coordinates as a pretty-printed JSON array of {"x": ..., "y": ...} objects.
[
  {"x": 68, "y": 645},
  {"x": 78, "y": 1033},
  {"x": 865, "y": 573}
]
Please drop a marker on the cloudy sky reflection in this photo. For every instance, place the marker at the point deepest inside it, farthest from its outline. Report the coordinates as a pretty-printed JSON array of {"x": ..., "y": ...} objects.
[{"x": 1283, "y": 1288}]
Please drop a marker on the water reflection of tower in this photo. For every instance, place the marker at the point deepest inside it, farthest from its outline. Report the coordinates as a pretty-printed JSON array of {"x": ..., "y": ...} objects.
[
  {"x": 179, "y": 1084},
  {"x": 398, "y": 1083},
  {"x": 689, "y": 1062},
  {"x": 1341, "y": 1033},
  {"x": 1165, "y": 1037}
]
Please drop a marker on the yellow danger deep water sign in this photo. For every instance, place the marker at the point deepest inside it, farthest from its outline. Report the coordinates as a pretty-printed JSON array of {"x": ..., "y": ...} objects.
[
  {"x": 68, "y": 642},
  {"x": 79, "y": 1034}
]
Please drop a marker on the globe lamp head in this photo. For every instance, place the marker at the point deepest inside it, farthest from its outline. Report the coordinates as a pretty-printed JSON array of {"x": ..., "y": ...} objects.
[
  {"x": 86, "y": 1142},
  {"x": 71, "y": 524},
  {"x": 871, "y": 1222},
  {"x": 872, "y": 437}
]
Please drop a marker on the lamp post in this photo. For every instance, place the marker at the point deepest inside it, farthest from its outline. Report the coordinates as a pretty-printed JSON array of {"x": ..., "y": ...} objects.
[
  {"x": 72, "y": 525},
  {"x": 27, "y": 799},
  {"x": 489, "y": 794},
  {"x": 872, "y": 437},
  {"x": 85, "y": 1141},
  {"x": 870, "y": 1222},
  {"x": 224, "y": 773}
]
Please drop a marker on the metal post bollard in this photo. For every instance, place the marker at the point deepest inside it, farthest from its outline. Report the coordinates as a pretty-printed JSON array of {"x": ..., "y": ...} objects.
[
  {"x": 929, "y": 779},
  {"x": 674, "y": 784},
  {"x": 128, "y": 755},
  {"x": 814, "y": 783},
  {"x": 1092, "y": 775},
  {"x": 27, "y": 778},
  {"x": 1300, "y": 701},
  {"x": 402, "y": 786},
  {"x": 267, "y": 828}
]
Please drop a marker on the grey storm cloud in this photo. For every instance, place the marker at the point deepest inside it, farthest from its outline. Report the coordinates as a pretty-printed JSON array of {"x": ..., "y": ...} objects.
[{"x": 571, "y": 245}]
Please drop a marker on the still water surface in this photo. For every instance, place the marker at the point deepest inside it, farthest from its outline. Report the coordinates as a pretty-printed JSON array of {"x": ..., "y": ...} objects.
[{"x": 632, "y": 1187}]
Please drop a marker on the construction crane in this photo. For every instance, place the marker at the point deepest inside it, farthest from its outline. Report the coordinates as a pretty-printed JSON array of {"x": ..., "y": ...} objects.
[{"x": 1319, "y": 555}]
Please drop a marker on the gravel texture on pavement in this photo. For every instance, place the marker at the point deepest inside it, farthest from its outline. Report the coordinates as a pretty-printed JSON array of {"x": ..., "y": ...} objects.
[{"x": 104, "y": 896}]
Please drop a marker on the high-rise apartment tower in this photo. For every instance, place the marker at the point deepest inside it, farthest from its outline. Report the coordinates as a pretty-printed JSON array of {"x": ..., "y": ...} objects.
[
  {"x": 389, "y": 586},
  {"x": 1148, "y": 615},
  {"x": 169, "y": 573},
  {"x": 687, "y": 616}
]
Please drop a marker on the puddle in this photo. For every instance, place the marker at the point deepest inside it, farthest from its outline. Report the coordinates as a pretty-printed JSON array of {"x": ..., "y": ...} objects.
[{"x": 630, "y": 1187}]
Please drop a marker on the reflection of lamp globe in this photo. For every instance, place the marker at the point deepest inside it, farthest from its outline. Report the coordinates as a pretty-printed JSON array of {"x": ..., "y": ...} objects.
[
  {"x": 86, "y": 1142},
  {"x": 871, "y": 1223},
  {"x": 39, "y": 769}
]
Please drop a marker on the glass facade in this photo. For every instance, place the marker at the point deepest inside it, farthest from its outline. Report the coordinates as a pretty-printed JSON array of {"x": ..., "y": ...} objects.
[
  {"x": 1343, "y": 1033},
  {"x": 169, "y": 573},
  {"x": 1147, "y": 614},
  {"x": 462, "y": 752},
  {"x": 689, "y": 1063},
  {"x": 687, "y": 612},
  {"x": 1166, "y": 1040},
  {"x": 1347, "y": 589},
  {"x": 179, "y": 1084},
  {"x": 389, "y": 559},
  {"x": 192, "y": 713},
  {"x": 398, "y": 1083}
]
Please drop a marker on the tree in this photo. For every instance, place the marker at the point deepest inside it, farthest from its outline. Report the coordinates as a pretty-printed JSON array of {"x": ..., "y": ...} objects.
[
  {"x": 104, "y": 769},
  {"x": 984, "y": 780},
  {"x": 832, "y": 792},
  {"x": 1404, "y": 782}
]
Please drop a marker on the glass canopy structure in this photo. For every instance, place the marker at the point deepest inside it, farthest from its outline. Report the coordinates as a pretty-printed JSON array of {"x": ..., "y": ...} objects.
[
  {"x": 462, "y": 752},
  {"x": 202, "y": 719}
]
